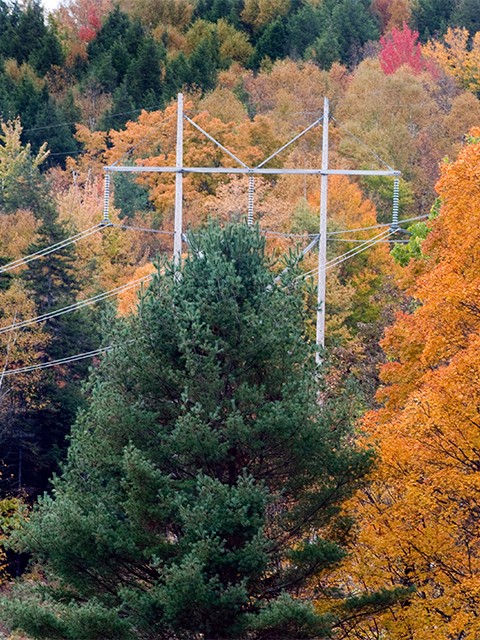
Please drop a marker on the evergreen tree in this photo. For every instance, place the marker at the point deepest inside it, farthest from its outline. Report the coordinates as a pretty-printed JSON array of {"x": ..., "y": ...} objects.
[
  {"x": 103, "y": 72},
  {"x": 203, "y": 482},
  {"x": 121, "y": 111},
  {"x": 47, "y": 53},
  {"x": 177, "y": 73},
  {"x": 303, "y": 28},
  {"x": 325, "y": 50},
  {"x": 25, "y": 37},
  {"x": 128, "y": 63},
  {"x": 272, "y": 43},
  {"x": 120, "y": 58},
  {"x": 214, "y": 10},
  {"x": 432, "y": 17},
  {"x": 354, "y": 26},
  {"x": 467, "y": 15},
  {"x": 143, "y": 77},
  {"x": 113, "y": 30},
  {"x": 60, "y": 137},
  {"x": 37, "y": 110},
  {"x": 204, "y": 63},
  {"x": 130, "y": 197},
  {"x": 54, "y": 282},
  {"x": 9, "y": 15}
]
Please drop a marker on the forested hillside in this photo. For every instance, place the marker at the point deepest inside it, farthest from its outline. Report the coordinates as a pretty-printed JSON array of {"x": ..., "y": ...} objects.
[{"x": 173, "y": 462}]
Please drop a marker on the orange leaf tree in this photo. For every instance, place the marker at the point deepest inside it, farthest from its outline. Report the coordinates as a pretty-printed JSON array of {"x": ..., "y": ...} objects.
[{"x": 419, "y": 522}]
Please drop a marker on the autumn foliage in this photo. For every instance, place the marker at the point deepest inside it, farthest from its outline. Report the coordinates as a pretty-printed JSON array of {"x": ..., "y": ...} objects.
[
  {"x": 419, "y": 517},
  {"x": 458, "y": 56},
  {"x": 401, "y": 47}
]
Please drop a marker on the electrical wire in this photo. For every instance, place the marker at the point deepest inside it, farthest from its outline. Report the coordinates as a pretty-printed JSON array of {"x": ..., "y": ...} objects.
[
  {"x": 91, "y": 354},
  {"x": 336, "y": 261},
  {"x": 76, "y": 305},
  {"x": 143, "y": 229},
  {"x": 331, "y": 263},
  {"x": 54, "y": 363},
  {"x": 113, "y": 115},
  {"x": 52, "y": 248},
  {"x": 355, "y": 240},
  {"x": 378, "y": 226},
  {"x": 349, "y": 254},
  {"x": 280, "y": 234}
]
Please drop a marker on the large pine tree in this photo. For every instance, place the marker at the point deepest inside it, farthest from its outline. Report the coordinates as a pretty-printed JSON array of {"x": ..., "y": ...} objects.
[{"x": 203, "y": 483}]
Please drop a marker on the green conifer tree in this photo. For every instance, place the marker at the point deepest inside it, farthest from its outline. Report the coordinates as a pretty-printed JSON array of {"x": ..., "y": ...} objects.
[
  {"x": 467, "y": 15},
  {"x": 143, "y": 77},
  {"x": 203, "y": 482},
  {"x": 177, "y": 74},
  {"x": 303, "y": 28},
  {"x": 54, "y": 283},
  {"x": 432, "y": 17},
  {"x": 272, "y": 43},
  {"x": 204, "y": 63}
]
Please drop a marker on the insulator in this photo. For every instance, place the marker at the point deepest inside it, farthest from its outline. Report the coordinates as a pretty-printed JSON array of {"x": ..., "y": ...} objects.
[
  {"x": 251, "y": 191},
  {"x": 106, "y": 199},
  {"x": 396, "y": 186}
]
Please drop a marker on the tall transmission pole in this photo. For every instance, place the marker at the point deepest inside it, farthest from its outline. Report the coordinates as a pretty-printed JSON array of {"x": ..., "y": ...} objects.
[
  {"x": 178, "y": 221},
  {"x": 179, "y": 170},
  {"x": 322, "y": 240}
]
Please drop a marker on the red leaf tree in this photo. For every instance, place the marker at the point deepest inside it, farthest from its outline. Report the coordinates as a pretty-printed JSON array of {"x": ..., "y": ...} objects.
[{"x": 401, "y": 47}]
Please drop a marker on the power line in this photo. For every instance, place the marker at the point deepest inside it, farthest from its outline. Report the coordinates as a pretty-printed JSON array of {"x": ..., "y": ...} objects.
[
  {"x": 54, "y": 363},
  {"x": 356, "y": 240},
  {"x": 113, "y": 115},
  {"x": 91, "y": 354},
  {"x": 76, "y": 305},
  {"x": 82, "y": 303},
  {"x": 52, "y": 248},
  {"x": 142, "y": 229},
  {"x": 281, "y": 234},
  {"x": 378, "y": 226},
  {"x": 336, "y": 261},
  {"x": 349, "y": 254}
]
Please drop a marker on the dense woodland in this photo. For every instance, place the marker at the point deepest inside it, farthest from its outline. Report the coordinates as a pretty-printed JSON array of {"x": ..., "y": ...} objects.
[{"x": 204, "y": 478}]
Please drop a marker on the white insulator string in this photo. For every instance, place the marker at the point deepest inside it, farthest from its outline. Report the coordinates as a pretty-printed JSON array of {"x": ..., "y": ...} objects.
[
  {"x": 251, "y": 193},
  {"x": 106, "y": 199},
  {"x": 396, "y": 198}
]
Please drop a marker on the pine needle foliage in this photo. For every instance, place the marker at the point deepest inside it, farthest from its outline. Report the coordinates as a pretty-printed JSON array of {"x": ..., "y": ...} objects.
[{"x": 203, "y": 484}]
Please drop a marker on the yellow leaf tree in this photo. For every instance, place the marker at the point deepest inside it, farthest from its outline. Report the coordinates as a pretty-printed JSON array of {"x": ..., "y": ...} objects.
[{"x": 459, "y": 56}]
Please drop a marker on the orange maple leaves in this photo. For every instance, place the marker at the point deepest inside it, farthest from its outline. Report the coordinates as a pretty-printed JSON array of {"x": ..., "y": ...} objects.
[{"x": 419, "y": 522}]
